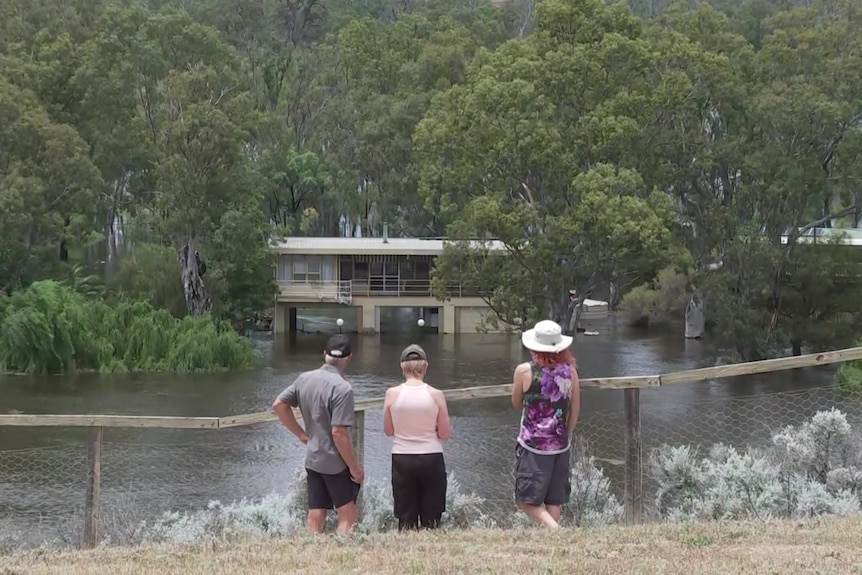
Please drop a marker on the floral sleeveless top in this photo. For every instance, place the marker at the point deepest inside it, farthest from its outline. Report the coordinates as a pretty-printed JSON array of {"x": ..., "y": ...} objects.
[{"x": 546, "y": 410}]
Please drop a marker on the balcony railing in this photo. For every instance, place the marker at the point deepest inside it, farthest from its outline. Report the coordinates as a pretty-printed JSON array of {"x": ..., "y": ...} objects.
[
  {"x": 323, "y": 291},
  {"x": 344, "y": 291}
]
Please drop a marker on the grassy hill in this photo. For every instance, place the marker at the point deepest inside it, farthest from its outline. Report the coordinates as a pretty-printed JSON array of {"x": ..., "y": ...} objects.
[{"x": 785, "y": 547}]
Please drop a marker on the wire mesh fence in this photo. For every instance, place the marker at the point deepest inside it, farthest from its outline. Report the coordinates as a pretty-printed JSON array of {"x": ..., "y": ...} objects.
[{"x": 146, "y": 473}]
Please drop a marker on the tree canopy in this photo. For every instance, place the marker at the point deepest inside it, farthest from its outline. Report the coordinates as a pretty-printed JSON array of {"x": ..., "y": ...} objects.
[{"x": 600, "y": 143}]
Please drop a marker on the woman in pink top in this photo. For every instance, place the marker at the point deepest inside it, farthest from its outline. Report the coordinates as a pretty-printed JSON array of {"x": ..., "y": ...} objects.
[{"x": 415, "y": 414}]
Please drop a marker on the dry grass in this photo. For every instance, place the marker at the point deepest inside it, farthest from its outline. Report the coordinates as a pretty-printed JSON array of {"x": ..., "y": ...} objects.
[{"x": 785, "y": 547}]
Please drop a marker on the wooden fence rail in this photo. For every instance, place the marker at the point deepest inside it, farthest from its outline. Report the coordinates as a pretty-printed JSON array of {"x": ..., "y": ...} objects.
[{"x": 631, "y": 386}]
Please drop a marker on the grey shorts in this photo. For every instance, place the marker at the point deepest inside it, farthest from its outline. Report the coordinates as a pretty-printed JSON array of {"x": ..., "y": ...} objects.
[{"x": 541, "y": 479}]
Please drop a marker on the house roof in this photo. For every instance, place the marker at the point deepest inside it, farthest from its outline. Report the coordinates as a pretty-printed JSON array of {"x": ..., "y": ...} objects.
[
  {"x": 847, "y": 236},
  {"x": 846, "y": 233},
  {"x": 364, "y": 246}
]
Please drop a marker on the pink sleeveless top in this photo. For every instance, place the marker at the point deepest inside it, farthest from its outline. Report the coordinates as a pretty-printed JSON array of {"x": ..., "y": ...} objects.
[{"x": 414, "y": 417}]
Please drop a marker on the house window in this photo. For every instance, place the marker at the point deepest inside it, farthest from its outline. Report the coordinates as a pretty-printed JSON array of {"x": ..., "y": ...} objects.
[
  {"x": 306, "y": 271},
  {"x": 285, "y": 268},
  {"x": 299, "y": 269}
]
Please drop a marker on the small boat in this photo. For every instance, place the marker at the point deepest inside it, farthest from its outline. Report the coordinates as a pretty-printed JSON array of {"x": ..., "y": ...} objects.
[{"x": 594, "y": 309}]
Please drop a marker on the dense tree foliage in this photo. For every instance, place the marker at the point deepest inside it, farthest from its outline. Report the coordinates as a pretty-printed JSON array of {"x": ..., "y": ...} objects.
[{"x": 599, "y": 142}]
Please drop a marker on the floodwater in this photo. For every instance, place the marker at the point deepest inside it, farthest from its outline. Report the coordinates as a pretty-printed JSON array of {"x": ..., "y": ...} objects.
[{"x": 43, "y": 470}]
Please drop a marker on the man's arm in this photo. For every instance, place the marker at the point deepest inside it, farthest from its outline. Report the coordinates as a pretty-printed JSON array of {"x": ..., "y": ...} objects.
[
  {"x": 342, "y": 420},
  {"x": 283, "y": 407},
  {"x": 575, "y": 403},
  {"x": 521, "y": 376}
]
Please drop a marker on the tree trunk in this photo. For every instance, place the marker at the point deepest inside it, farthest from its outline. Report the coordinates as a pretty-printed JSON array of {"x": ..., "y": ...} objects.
[
  {"x": 613, "y": 294},
  {"x": 566, "y": 313},
  {"x": 566, "y": 316},
  {"x": 64, "y": 246},
  {"x": 797, "y": 347},
  {"x": 694, "y": 318},
  {"x": 197, "y": 296},
  {"x": 578, "y": 310}
]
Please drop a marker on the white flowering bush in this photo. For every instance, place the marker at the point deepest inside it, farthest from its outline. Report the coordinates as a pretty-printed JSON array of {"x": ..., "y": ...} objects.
[
  {"x": 377, "y": 511},
  {"x": 592, "y": 502},
  {"x": 10, "y": 538},
  {"x": 280, "y": 515},
  {"x": 810, "y": 470},
  {"x": 463, "y": 509}
]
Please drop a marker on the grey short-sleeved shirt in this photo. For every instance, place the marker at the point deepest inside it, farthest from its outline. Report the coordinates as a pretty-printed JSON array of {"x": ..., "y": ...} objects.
[{"x": 325, "y": 399}]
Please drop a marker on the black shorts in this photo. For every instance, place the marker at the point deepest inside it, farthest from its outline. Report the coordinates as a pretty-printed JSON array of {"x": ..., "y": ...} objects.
[
  {"x": 542, "y": 479},
  {"x": 331, "y": 491},
  {"x": 419, "y": 489}
]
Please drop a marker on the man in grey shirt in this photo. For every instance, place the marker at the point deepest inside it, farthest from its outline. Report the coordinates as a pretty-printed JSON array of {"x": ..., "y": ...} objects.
[{"x": 325, "y": 400}]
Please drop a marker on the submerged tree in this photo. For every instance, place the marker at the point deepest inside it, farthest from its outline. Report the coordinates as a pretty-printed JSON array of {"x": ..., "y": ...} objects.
[
  {"x": 180, "y": 88},
  {"x": 47, "y": 187},
  {"x": 536, "y": 150},
  {"x": 783, "y": 158},
  {"x": 603, "y": 223},
  {"x": 197, "y": 125}
]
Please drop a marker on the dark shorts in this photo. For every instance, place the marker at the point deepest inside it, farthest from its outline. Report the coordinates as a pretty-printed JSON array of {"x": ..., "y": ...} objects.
[
  {"x": 541, "y": 479},
  {"x": 419, "y": 489},
  {"x": 331, "y": 491}
]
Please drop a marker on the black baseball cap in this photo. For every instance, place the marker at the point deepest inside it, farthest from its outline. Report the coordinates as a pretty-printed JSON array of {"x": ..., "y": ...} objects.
[
  {"x": 338, "y": 346},
  {"x": 413, "y": 352}
]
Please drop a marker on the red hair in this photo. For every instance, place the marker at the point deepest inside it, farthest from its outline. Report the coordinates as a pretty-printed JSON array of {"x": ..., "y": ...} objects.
[{"x": 547, "y": 359}]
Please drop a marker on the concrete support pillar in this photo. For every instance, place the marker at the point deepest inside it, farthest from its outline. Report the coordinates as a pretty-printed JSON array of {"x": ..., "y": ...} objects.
[
  {"x": 276, "y": 325},
  {"x": 281, "y": 318},
  {"x": 291, "y": 319},
  {"x": 447, "y": 321},
  {"x": 370, "y": 319}
]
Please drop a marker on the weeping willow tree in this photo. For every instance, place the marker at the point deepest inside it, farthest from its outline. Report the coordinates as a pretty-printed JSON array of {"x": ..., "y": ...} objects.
[{"x": 50, "y": 328}]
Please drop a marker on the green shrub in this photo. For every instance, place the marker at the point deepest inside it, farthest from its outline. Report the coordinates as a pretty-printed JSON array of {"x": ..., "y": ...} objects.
[
  {"x": 51, "y": 328},
  {"x": 149, "y": 272},
  {"x": 657, "y": 302},
  {"x": 640, "y": 306},
  {"x": 848, "y": 378}
]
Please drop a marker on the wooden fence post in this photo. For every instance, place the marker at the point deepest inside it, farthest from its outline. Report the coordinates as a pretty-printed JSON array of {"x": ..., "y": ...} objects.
[
  {"x": 359, "y": 437},
  {"x": 94, "y": 479},
  {"x": 359, "y": 447},
  {"x": 634, "y": 503}
]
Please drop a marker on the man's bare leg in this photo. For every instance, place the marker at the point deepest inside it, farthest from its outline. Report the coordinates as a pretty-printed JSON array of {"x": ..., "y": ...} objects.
[
  {"x": 555, "y": 511},
  {"x": 316, "y": 519},
  {"x": 539, "y": 514},
  {"x": 347, "y": 515}
]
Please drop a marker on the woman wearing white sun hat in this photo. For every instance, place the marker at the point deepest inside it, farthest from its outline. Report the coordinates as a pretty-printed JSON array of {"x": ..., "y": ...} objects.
[{"x": 547, "y": 391}]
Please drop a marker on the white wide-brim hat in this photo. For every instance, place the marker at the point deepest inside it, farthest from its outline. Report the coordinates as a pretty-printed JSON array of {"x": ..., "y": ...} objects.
[{"x": 546, "y": 337}]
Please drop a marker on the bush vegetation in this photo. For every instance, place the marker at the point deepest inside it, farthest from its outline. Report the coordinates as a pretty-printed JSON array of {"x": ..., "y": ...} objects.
[
  {"x": 848, "y": 378},
  {"x": 148, "y": 272},
  {"x": 658, "y": 302},
  {"x": 810, "y": 470},
  {"x": 50, "y": 328}
]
